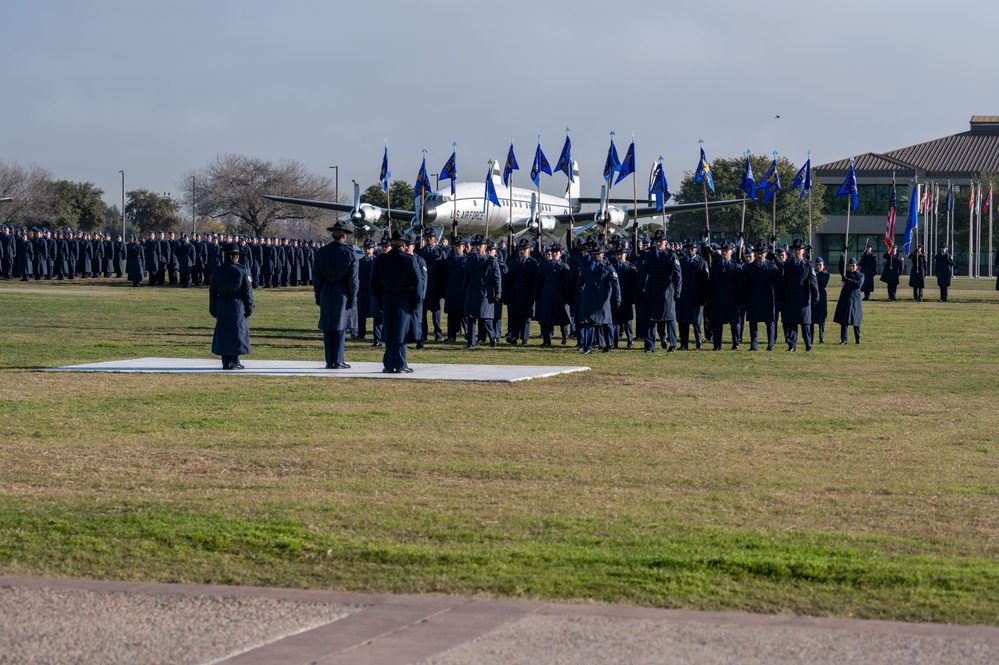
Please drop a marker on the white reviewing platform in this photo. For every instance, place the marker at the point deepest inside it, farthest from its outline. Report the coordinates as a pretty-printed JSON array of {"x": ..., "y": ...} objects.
[{"x": 440, "y": 372}]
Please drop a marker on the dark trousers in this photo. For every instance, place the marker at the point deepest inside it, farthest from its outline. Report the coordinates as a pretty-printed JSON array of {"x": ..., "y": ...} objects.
[
  {"x": 754, "y": 342},
  {"x": 435, "y": 318},
  {"x": 483, "y": 326},
  {"x": 685, "y": 334},
  {"x": 333, "y": 343},
  {"x": 394, "y": 357},
  {"x": 173, "y": 276},
  {"x": 943, "y": 293},
  {"x": 626, "y": 328},
  {"x": 455, "y": 326},
  {"x": 792, "y": 336},
  {"x": 892, "y": 291},
  {"x": 185, "y": 279},
  {"x": 519, "y": 329},
  {"x": 844, "y": 338},
  {"x": 229, "y": 360},
  {"x": 716, "y": 333},
  {"x": 917, "y": 294}
]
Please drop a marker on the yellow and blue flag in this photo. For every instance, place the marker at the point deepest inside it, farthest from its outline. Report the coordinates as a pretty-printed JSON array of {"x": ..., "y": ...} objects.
[
  {"x": 849, "y": 186},
  {"x": 422, "y": 183},
  {"x": 628, "y": 165},
  {"x": 384, "y": 176},
  {"x": 803, "y": 179},
  {"x": 658, "y": 187},
  {"x": 490, "y": 196},
  {"x": 565, "y": 159},
  {"x": 704, "y": 173},
  {"x": 540, "y": 165},
  {"x": 450, "y": 171},
  {"x": 510, "y": 166},
  {"x": 746, "y": 183},
  {"x": 771, "y": 181},
  {"x": 613, "y": 163}
]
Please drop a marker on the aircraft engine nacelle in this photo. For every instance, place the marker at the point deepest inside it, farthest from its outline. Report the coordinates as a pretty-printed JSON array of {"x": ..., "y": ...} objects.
[
  {"x": 547, "y": 223},
  {"x": 369, "y": 214},
  {"x": 616, "y": 216}
]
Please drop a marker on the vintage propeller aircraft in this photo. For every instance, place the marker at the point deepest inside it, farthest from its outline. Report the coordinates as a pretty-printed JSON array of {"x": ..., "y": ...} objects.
[{"x": 520, "y": 210}]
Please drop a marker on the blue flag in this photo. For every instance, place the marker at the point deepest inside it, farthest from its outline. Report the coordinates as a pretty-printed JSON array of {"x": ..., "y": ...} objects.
[
  {"x": 490, "y": 196},
  {"x": 912, "y": 223},
  {"x": 704, "y": 173},
  {"x": 803, "y": 179},
  {"x": 565, "y": 160},
  {"x": 771, "y": 182},
  {"x": 746, "y": 183},
  {"x": 540, "y": 165},
  {"x": 422, "y": 182},
  {"x": 384, "y": 176},
  {"x": 613, "y": 163},
  {"x": 450, "y": 171},
  {"x": 510, "y": 166},
  {"x": 628, "y": 165},
  {"x": 849, "y": 186},
  {"x": 950, "y": 196},
  {"x": 658, "y": 187}
]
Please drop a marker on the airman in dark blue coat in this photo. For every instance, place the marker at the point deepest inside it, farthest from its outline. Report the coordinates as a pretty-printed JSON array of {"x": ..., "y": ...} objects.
[
  {"x": 660, "y": 283},
  {"x": 335, "y": 284},
  {"x": 943, "y": 270},
  {"x": 869, "y": 266},
  {"x": 694, "y": 295},
  {"x": 523, "y": 285},
  {"x": 554, "y": 295},
  {"x": 726, "y": 293},
  {"x": 820, "y": 312},
  {"x": 627, "y": 279},
  {"x": 849, "y": 308},
  {"x": 230, "y": 302},
  {"x": 436, "y": 259},
  {"x": 454, "y": 290},
  {"x": 135, "y": 261},
  {"x": 917, "y": 273},
  {"x": 761, "y": 279},
  {"x": 799, "y": 291},
  {"x": 598, "y": 294},
  {"x": 395, "y": 284},
  {"x": 483, "y": 289},
  {"x": 364, "y": 299},
  {"x": 892, "y": 271}
]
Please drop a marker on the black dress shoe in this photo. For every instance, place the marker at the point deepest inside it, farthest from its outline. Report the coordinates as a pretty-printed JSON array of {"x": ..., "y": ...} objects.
[
  {"x": 236, "y": 366},
  {"x": 585, "y": 352},
  {"x": 338, "y": 366},
  {"x": 419, "y": 345},
  {"x": 671, "y": 349},
  {"x": 391, "y": 371},
  {"x": 407, "y": 370},
  {"x": 606, "y": 349},
  {"x": 437, "y": 337},
  {"x": 735, "y": 347},
  {"x": 770, "y": 348}
]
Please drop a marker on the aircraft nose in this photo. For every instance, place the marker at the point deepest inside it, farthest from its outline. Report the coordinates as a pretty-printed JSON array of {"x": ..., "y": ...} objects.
[{"x": 429, "y": 215}]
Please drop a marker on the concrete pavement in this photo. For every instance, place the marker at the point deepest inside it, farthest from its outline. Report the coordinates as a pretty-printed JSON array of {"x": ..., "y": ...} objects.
[{"x": 87, "y": 621}]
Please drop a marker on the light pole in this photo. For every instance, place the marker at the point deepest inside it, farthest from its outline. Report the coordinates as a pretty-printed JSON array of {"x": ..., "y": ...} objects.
[
  {"x": 122, "y": 172},
  {"x": 438, "y": 176},
  {"x": 194, "y": 204},
  {"x": 336, "y": 185}
]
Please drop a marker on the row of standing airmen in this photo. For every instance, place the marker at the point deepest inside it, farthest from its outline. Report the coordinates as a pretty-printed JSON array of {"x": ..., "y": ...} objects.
[{"x": 44, "y": 254}]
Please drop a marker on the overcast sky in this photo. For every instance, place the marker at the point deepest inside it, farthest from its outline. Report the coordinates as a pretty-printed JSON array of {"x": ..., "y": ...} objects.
[{"x": 159, "y": 88}]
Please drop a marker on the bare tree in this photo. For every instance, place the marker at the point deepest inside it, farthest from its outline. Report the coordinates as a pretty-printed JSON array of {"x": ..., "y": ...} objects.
[
  {"x": 230, "y": 189},
  {"x": 32, "y": 189}
]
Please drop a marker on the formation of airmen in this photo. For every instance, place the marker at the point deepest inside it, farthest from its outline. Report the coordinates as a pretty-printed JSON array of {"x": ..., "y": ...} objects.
[
  {"x": 161, "y": 259},
  {"x": 606, "y": 293}
]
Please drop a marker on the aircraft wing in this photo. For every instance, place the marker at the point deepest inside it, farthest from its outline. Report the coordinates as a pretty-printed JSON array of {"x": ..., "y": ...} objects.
[
  {"x": 582, "y": 217},
  {"x": 397, "y": 215}
]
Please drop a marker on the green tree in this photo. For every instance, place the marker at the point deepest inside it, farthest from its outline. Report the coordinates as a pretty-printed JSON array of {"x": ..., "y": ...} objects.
[
  {"x": 148, "y": 211},
  {"x": 792, "y": 213},
  {"x": 79, "y": 205},
  {"x": 402, "y": 196}
]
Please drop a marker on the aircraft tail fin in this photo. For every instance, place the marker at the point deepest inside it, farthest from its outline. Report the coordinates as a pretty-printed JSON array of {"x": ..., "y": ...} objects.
[{"x": 497, "y": 173}]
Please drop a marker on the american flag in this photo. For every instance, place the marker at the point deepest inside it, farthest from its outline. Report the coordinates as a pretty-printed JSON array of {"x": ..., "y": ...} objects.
[
  {"x": 890, "y": 227},
  {"x": 988, "y": 199}
]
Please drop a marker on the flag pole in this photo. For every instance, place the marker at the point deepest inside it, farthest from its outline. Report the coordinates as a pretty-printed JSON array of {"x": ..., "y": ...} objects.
[
  {"x": 634, "y": 189},
  {"x": 971, "y": 232},
  {"x": 489, "y": 175},
  {"x": 846, "y": 238},
  {"x": 990, "y": 230},
  {"x": 509, "y": 192}
]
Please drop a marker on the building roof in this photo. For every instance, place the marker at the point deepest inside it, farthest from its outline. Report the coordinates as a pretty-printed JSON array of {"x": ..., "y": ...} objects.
[{"x": 960, "y": 156}]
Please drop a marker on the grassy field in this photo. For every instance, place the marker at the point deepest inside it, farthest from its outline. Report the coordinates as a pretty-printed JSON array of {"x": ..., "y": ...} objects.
[{"x": 857, "y": 481}]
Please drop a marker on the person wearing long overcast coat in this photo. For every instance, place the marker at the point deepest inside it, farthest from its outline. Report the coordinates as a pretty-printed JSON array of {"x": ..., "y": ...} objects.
[
  {"x": 135, "y": 261},
  {"x": 523, "y": 286},
  {"x": 598, "y": 294},
  {"x": 395, "y": 286},
  {"x": 554, "y": 295},
  {"x": 917, "y": 273},
  {"x": 850, "y": 307},
  {"x": 230, "y": 302},
  {"x": 761, "y": 279},
  {"x": 892, "y": 271},
  {"x": 799, "y": 291},
  {"x": 725, "y": 300},
  {"x": 335, "y": 284},
  {"x": 943, "y": 270},
  {"x": 693, "y": 296},
  {"x": 454, "y": 293},
  {"x": 821, "y": 311},
  {"x": 660, "y": 284},
  {"x": 483, "y": 289}
]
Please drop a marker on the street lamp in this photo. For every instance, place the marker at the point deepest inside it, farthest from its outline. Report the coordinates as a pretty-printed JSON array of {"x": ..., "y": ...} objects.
[
  {"x": 438, "y": 176},
  {"x": 336, "y": 195},
  {"x": 122, "y": 172}
]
